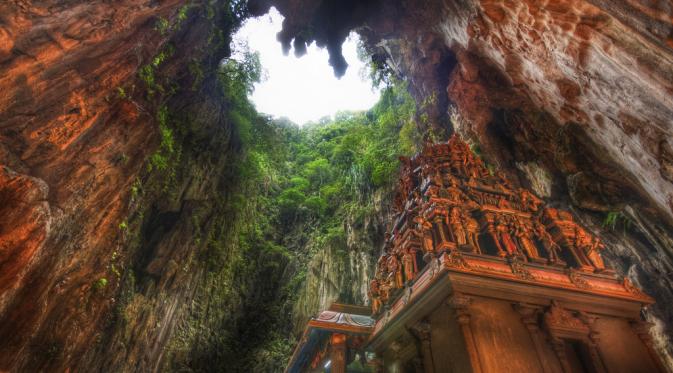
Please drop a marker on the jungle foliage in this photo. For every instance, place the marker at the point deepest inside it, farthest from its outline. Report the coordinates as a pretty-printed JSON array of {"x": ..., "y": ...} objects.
[
  {"x": 276, "y": 187},
  {"x": 300, "y": 185}
]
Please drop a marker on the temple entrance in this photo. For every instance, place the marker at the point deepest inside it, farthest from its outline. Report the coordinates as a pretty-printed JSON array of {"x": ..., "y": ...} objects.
[{"x": 579, "y": 357}]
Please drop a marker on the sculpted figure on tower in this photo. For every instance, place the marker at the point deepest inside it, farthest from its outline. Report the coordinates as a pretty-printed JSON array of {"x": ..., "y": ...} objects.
[
  {"x": 523, "y": 236},
  {"x": 375, "y": 295},
  {"x": 449, "y": 201},
  {"x": 409, "y": 265},
  {"x": 472, "y": 231},
  {"x": 395, "y": 272},
  {"x": 424, "y": 232},
  {"x": 456, "y": 223},
  {"x": 503, "y": 228},
  {"x": 552, "y": 248}
]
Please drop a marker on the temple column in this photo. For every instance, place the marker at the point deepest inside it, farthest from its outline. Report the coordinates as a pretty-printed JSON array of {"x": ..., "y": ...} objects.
[
  {"x": 594, "y": 351},
  {"x": 422, "y": 332},
  {"x": 338, "y": 353},
  {"x": 460, "y": 303},
  {"x": 642, "y": 329},
  {"x": 529, "y": 318},
  {"x": 560, "y": 350}
]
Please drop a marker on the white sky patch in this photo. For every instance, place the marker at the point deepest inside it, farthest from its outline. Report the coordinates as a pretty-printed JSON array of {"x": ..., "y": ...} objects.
[{"x": 303, "y": 89}]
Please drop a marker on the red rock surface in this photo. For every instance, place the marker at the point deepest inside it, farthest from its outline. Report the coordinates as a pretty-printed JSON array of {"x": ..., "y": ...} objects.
[{"x": 70, "y": 149}]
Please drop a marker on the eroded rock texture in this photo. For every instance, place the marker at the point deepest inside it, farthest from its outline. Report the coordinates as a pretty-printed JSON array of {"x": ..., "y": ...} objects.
[
  {"x": 61, "y": 144},
  {"x": 97, "y": 255},
  {"x": 573, "y": 98},
  {"x": 340, "y": 270}
]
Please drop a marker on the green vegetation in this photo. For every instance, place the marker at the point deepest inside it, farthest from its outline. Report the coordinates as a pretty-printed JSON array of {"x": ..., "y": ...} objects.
[
  {"x": 146, "y": 74},
  {"x": 289, "y": 192},
  {"x": 293, "y": 186},
  {"x": 246, "y": 202},
  {"x": 123, "y": 226},
  {"x": 301, "y": 185},
  {"x": 334, "y": 165},
  {"x": 121, "y": 93},
  {"x": 162, "y": 25},
  {"x": 615, "y": 218},
  {"x": 100, "y": 284}
]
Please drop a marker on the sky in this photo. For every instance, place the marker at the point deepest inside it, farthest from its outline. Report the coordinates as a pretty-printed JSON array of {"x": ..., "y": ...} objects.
[{"x": 303, "y": 89}]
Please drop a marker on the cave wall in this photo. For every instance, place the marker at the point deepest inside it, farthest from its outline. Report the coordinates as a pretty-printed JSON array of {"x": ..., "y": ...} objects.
[{"x": 100, "y": 260}]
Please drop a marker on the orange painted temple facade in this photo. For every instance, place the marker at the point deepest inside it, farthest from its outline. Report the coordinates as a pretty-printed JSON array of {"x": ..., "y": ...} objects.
[{"x": 479, "y": 276}]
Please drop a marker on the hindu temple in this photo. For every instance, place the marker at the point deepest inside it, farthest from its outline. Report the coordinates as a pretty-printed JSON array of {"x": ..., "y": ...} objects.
[{"x": 479, "y": 276}]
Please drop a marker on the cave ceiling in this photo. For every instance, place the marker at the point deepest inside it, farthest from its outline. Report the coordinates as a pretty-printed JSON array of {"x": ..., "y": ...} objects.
[{"x": 584, "y": 88}]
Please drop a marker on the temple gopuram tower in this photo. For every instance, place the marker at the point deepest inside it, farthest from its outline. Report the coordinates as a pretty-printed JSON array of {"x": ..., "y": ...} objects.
[{"x": 479, "y": 276}]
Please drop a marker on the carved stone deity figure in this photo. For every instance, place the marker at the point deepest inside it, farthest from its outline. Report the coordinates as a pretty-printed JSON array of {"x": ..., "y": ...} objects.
[
  {"x": 409, "y": 264},
  {"x": 437, "y": 177},
  {"x": 395, "y": 272},
  {"x": 454, "y": 193},
  {"x": 432, "y": 192},
  {"x": 457, "y": 163},
  {"x": 480, "y": 167},
  {"x": 582, "y": 246},
  {"x": 529, "y": 202},
  {"x": 592, "y": 251},
  {"x": 442, "y": 241},
  {"x": 473, "y": 172},
  {"x": 456, "y": 224},
  {"x": 375, "y": 296},
  {"x": 472, "y": 229},
  {"x": 504, "y": 230},
  {"x": 551, "y": 247},
  {"x": 424, "y": 232},
  {"x": 522, "y": 233},
  {"x": 492, "y": 229}
]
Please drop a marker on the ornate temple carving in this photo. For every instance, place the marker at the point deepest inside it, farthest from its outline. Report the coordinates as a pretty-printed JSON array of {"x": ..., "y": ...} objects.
[
  {"x": 487, "y": 278},
  {"x": 449, "y": 202}
]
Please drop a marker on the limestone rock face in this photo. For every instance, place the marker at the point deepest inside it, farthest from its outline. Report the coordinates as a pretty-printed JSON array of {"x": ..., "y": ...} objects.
[
  {"x": 340, "y": 269},
  {"x": 76, "y": 127}
]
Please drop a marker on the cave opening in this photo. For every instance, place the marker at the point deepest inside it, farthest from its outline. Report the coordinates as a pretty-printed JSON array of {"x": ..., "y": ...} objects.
[{"x": 299, "y": 83}]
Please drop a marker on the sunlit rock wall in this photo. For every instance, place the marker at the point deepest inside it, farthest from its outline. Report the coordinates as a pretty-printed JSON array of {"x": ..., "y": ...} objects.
[
  {"x": 339, "y": 268},
  {"x": 87, "y": 282}
]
